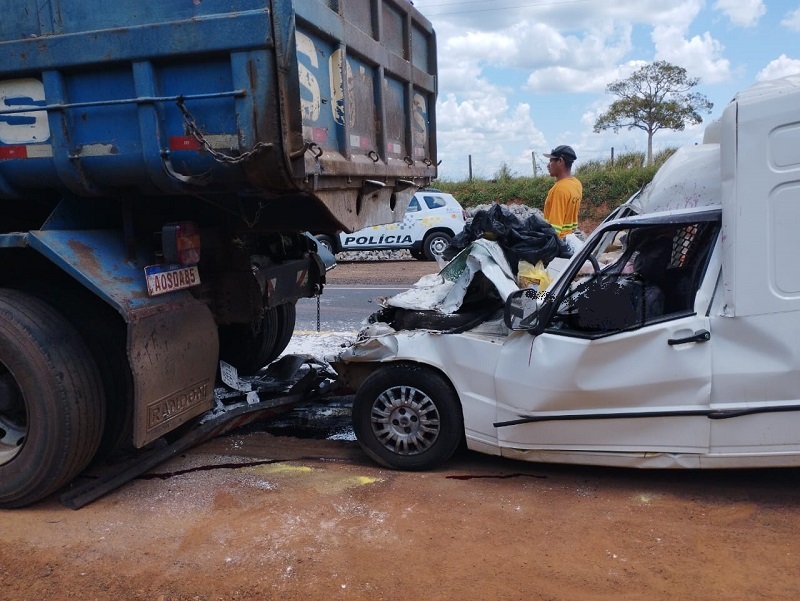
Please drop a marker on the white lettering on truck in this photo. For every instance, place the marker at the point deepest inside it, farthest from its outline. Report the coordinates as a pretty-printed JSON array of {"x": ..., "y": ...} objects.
[
  {"x": 27, "y": 127},
  {"x": 420, "y": 118},
  {"x": 308, "y": 107},
  {"x": 341, "y": 87}
]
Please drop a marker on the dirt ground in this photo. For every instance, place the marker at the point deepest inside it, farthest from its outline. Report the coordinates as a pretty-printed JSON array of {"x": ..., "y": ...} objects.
[
  {"x": 256, "y": 516},
  {"x": 383, "y": 272}
]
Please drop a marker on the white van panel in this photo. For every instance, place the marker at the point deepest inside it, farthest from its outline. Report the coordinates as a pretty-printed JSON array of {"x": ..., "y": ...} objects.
[
  {"x": 784, "y": 212},
  {"x": 760, "y": 164}
]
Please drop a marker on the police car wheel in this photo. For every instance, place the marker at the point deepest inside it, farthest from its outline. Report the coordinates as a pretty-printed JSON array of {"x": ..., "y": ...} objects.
[
  {"x": 435, "y": 243},
  {"x": 327, "y": 242}
]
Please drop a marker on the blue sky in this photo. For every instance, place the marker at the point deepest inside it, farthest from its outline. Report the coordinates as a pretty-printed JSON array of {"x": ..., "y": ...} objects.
[{"x": 517, "y": 76}]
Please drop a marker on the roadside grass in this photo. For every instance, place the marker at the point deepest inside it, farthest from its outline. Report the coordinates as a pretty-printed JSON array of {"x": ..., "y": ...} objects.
[{"x": 605, "y": 185}]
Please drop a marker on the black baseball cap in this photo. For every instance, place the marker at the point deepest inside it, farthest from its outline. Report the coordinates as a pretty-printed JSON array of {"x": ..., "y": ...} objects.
[{"x": 562, "y": 152}]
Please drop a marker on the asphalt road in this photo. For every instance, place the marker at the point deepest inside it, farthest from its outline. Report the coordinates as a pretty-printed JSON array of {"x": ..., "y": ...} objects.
[{"x": 341, "y": 308}]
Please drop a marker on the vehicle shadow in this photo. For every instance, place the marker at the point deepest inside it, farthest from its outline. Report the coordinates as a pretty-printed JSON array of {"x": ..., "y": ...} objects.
[{"x": 765, "y": 486}]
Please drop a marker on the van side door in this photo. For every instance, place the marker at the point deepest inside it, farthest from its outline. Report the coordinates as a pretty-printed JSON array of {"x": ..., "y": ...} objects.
[{"x": 623, "y": 363}]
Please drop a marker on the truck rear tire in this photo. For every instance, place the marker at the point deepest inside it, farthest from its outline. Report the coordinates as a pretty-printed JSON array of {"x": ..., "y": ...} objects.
[
  {"x": 103, "y": 332},
  {"x": 246, "y": 350},
  {"x": 287, "y": 317},
  {"x": 52, "y": 406}
]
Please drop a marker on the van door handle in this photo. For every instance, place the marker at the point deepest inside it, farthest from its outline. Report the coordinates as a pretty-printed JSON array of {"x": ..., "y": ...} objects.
[{"x": 698, "y": 336}]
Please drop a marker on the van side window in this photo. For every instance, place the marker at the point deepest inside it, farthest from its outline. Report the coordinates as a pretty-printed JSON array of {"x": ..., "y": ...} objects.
[{"x": 646, "y": 274}]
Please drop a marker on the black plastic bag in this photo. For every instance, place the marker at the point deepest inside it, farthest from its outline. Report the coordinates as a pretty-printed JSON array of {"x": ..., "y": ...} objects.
[{"x": 532, "y": 240}]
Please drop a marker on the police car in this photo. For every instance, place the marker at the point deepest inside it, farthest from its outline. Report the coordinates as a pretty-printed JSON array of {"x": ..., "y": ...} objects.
[{"x": 432, "y": 219}]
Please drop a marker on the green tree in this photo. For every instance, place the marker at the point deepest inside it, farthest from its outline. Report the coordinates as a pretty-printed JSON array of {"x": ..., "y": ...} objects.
[
  {"x": 504, "y": 173},
  {"x": 657, "y": 96}
]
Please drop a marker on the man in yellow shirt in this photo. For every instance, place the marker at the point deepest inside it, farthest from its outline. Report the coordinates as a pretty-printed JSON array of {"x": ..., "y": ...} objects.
[{"x": 564, "y": 198}]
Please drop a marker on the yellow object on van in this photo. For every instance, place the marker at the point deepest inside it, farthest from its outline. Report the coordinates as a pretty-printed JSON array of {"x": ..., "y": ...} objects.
[{"x": 533, "y": 276}]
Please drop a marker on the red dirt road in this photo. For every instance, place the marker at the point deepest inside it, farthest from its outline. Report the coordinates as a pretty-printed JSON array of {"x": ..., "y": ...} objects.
[
  {"x": 304, "y": 519},
  {"x": 253, "y": 516}
]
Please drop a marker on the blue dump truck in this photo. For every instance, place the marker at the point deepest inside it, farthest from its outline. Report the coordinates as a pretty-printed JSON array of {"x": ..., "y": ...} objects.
[{"x": 160, "y": 163}]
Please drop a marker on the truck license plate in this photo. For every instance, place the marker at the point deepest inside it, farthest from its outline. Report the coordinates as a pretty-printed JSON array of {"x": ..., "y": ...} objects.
[{"x": 167, "y": 278}]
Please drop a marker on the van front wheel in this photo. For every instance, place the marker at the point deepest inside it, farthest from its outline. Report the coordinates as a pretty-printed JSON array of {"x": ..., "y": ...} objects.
[{"x": 408, "y": 417}]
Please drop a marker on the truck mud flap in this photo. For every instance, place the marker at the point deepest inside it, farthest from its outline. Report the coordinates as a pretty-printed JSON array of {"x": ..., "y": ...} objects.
[
  {"x": 172, "y": 342},
  {"x": 173, "y": 357},
  {"x": 241, "y": 408}
]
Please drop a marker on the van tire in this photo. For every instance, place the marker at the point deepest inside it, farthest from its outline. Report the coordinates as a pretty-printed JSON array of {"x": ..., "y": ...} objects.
[
  {"x": 407, "y": 416},
  {"x": 52, "y": 407}
]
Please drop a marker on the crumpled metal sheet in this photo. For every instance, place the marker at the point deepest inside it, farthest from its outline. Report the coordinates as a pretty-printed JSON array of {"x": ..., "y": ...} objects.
[
  {"x": 444, "y": 292},
  {"x": 375, "y": 342}
]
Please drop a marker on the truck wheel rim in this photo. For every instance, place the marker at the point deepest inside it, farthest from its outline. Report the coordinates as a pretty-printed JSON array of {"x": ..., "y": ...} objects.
[
  {"x": 405, "y": 420},
  {"x": 13, "y": 418}
]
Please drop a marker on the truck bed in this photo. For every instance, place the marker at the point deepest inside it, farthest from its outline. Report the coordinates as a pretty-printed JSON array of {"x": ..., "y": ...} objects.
[{"x": 322, "y": 110}]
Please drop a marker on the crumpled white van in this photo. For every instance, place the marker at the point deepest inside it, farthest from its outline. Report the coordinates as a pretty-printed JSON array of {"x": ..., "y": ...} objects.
[
  {"x": 671, "y": 340},
  {"x": 431, "y": 221}
]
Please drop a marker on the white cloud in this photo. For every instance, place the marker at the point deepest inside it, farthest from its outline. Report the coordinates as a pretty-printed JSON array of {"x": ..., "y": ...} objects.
[
  {"x": 562, "y": 15},
  {"x": 558, "y": 61},
  {"x": 532, "y": 46},
  {"x": 678, "y": 15},
  {"x": 492, "y": 47},
  {"x": 518, "y": 78},
  {"x": 571, "y": 48},
  {"x": 701, "y": 56},
  {"x": 744, "y": 13},
  {"x": 792, "y": 20},
  {"x": 563, "y": 79},
  {"x": 486, "y": 128},
  {"x": 780, "y": 67},
  {"x": 458, "y": 76}
]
